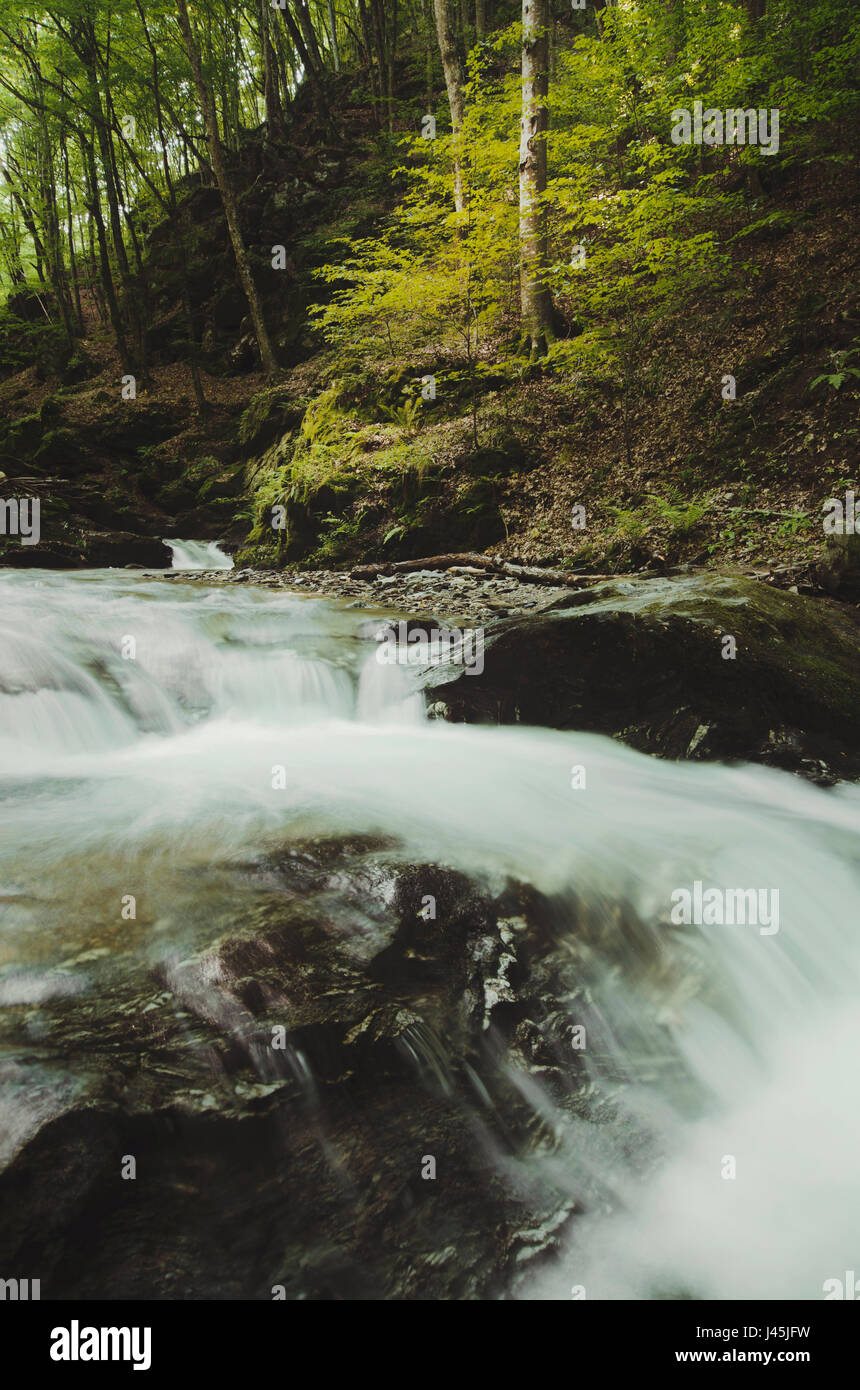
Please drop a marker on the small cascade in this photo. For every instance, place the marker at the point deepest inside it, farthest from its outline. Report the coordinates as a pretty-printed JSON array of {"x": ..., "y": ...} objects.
[{"x": 198, "y": 555}]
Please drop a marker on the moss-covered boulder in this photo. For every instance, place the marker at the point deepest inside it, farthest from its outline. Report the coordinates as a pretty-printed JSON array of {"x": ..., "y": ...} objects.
[
  {"x": 700, "y": 666},
  {"x": 64, "y": 452}
]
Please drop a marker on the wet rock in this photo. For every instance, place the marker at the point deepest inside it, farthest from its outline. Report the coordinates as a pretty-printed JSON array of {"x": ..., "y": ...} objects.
[
  {"x": 702, "y": 666},
  {"x": 283, "y": 1091},
  {"x": 117, "y": 548}
]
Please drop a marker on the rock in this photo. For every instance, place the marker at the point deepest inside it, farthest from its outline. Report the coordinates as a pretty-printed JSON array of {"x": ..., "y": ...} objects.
[
  {"x": 838, "y": 572},
  {"x": 47, "y": 555},
  {"x": 64, "y": 452},
  {"x": 643, "y": 660},
  {"x": 229, "y": 308},
  {"x": 81, "y": 366},
  {"x": 119, "y": 548},
  {"x": 298, "y": 1165}
]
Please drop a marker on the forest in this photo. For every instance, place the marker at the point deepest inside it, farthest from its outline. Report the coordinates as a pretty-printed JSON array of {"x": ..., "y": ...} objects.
[{"x": 432, "y": 278}]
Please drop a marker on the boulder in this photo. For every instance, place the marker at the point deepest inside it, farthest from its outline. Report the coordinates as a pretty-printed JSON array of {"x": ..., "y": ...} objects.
[
  {"x": 115, "y": 549},
  {"x": 301, "y": 1162},
  {"x": 698, "y": 666}
]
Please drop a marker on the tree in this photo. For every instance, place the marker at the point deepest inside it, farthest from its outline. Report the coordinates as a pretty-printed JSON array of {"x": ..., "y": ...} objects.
[
  {"x": 455, "y": 81},
  {"x": 225, "y": 188},
  {"x": 535, "y": 299}
]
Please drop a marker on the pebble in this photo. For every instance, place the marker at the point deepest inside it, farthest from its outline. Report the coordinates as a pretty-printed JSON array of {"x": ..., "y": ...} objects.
[{"x": 465, "y": 594}]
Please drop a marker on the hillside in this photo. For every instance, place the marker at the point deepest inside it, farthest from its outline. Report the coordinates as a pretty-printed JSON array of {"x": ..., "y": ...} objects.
[{"x": 625, "y": 457}]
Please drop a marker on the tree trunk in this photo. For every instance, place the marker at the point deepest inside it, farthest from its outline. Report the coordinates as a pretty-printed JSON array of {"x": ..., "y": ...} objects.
[
  {"x": 177, "y": 217},
  {"x": 228, "y": 197},
  {"x": 375, "y": 93},
  {"x": 309, "y": 34},
  {"x": 535, "y": 301},
  {"x": 311, "y": 72},
  {"x": 391, "y": 45},
  {"x": 455, "y": 80},
  {"x": 378, "y": 19},
  {"x": 527, "y": 573},
  {"x": 335, "y": 51},
  {"x": 95, "y": 211},
  {"x": 271, "y": 84}
]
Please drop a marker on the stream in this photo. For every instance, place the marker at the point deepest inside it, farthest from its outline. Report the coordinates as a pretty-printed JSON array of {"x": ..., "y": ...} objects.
[{"x": 141, "y": 726}]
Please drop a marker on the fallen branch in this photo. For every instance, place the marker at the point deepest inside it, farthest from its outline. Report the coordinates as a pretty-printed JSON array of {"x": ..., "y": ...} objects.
[
  {"x": 431, "y": 562},
  {"x": 529, "y": 574}
]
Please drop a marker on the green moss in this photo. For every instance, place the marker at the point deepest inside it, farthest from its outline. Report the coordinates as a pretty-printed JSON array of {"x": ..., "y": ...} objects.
[
  {"x": 23, "y": 436},
  {"x": 63, "y": 450}
]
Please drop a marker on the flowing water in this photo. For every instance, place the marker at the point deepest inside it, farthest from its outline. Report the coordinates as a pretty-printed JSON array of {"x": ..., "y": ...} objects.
[
  {"x": 199, "y": 555},
  {"x": 140, "y": 724}
]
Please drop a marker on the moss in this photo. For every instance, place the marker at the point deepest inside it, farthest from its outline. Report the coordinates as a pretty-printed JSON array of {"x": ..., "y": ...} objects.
[
  {"x": 229, "y": 483},
  {"x": 64, "y": 451},
  {"x": 50, "y": 411},
  {"x": 269, "y": 413},
  {"x": 327, "y": 449},
  {"x": 200, "y": 469},
  {"x": 23, "y": 436}
]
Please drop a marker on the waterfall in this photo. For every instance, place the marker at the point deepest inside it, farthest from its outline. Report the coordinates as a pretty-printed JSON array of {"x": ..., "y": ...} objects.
[
  {"x": 198, "y": 555},
  {"x": 141, "y": 727}
]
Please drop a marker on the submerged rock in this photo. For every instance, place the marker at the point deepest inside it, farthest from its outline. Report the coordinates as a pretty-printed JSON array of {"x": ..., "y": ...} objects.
[{"x": 323, "y": 1104}]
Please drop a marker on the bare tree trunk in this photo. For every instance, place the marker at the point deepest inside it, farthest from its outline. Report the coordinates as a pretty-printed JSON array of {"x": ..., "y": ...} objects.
[
  {"x": 228, "y": 197},
  {"x": 309, "y": 33},
  {"x": 70, "y": 233},
  {"x": 480, "y": 18},
  {"x": 455, "y": 80},
  {"x": 95, "y": 211},
  {"x": 271, "y": 84},
  {"x": 535, "y": 301},
  {"x": 177, "y": 218},
  {"x": 310, "y": 70},
  {"x": 335, "y": 51},
  {"x": 367, "y": 32},
  {"x": 391, "y": 45},
  {"x": 378, "y": 20}
]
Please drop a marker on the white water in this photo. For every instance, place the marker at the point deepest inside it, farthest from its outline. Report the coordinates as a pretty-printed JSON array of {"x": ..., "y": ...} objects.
[
  {"x": 198, "y": 555},
  {"x": 146, "y": 767}
]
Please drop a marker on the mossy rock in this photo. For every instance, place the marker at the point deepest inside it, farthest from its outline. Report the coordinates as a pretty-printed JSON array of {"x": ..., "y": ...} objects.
[
  {"x": 50, "y": 411},
  {"x": 645, "y": 661},
  {"x": 63, "y": 452},
  {"x": 226, "y": 483},
  {"x": 271, "y": 414},
  {"x": 177, "y": 496},
  {"x": 838, "y": 571},
  {"x": 132, "y": 424},
  {"x": 80, "y": 367}
]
